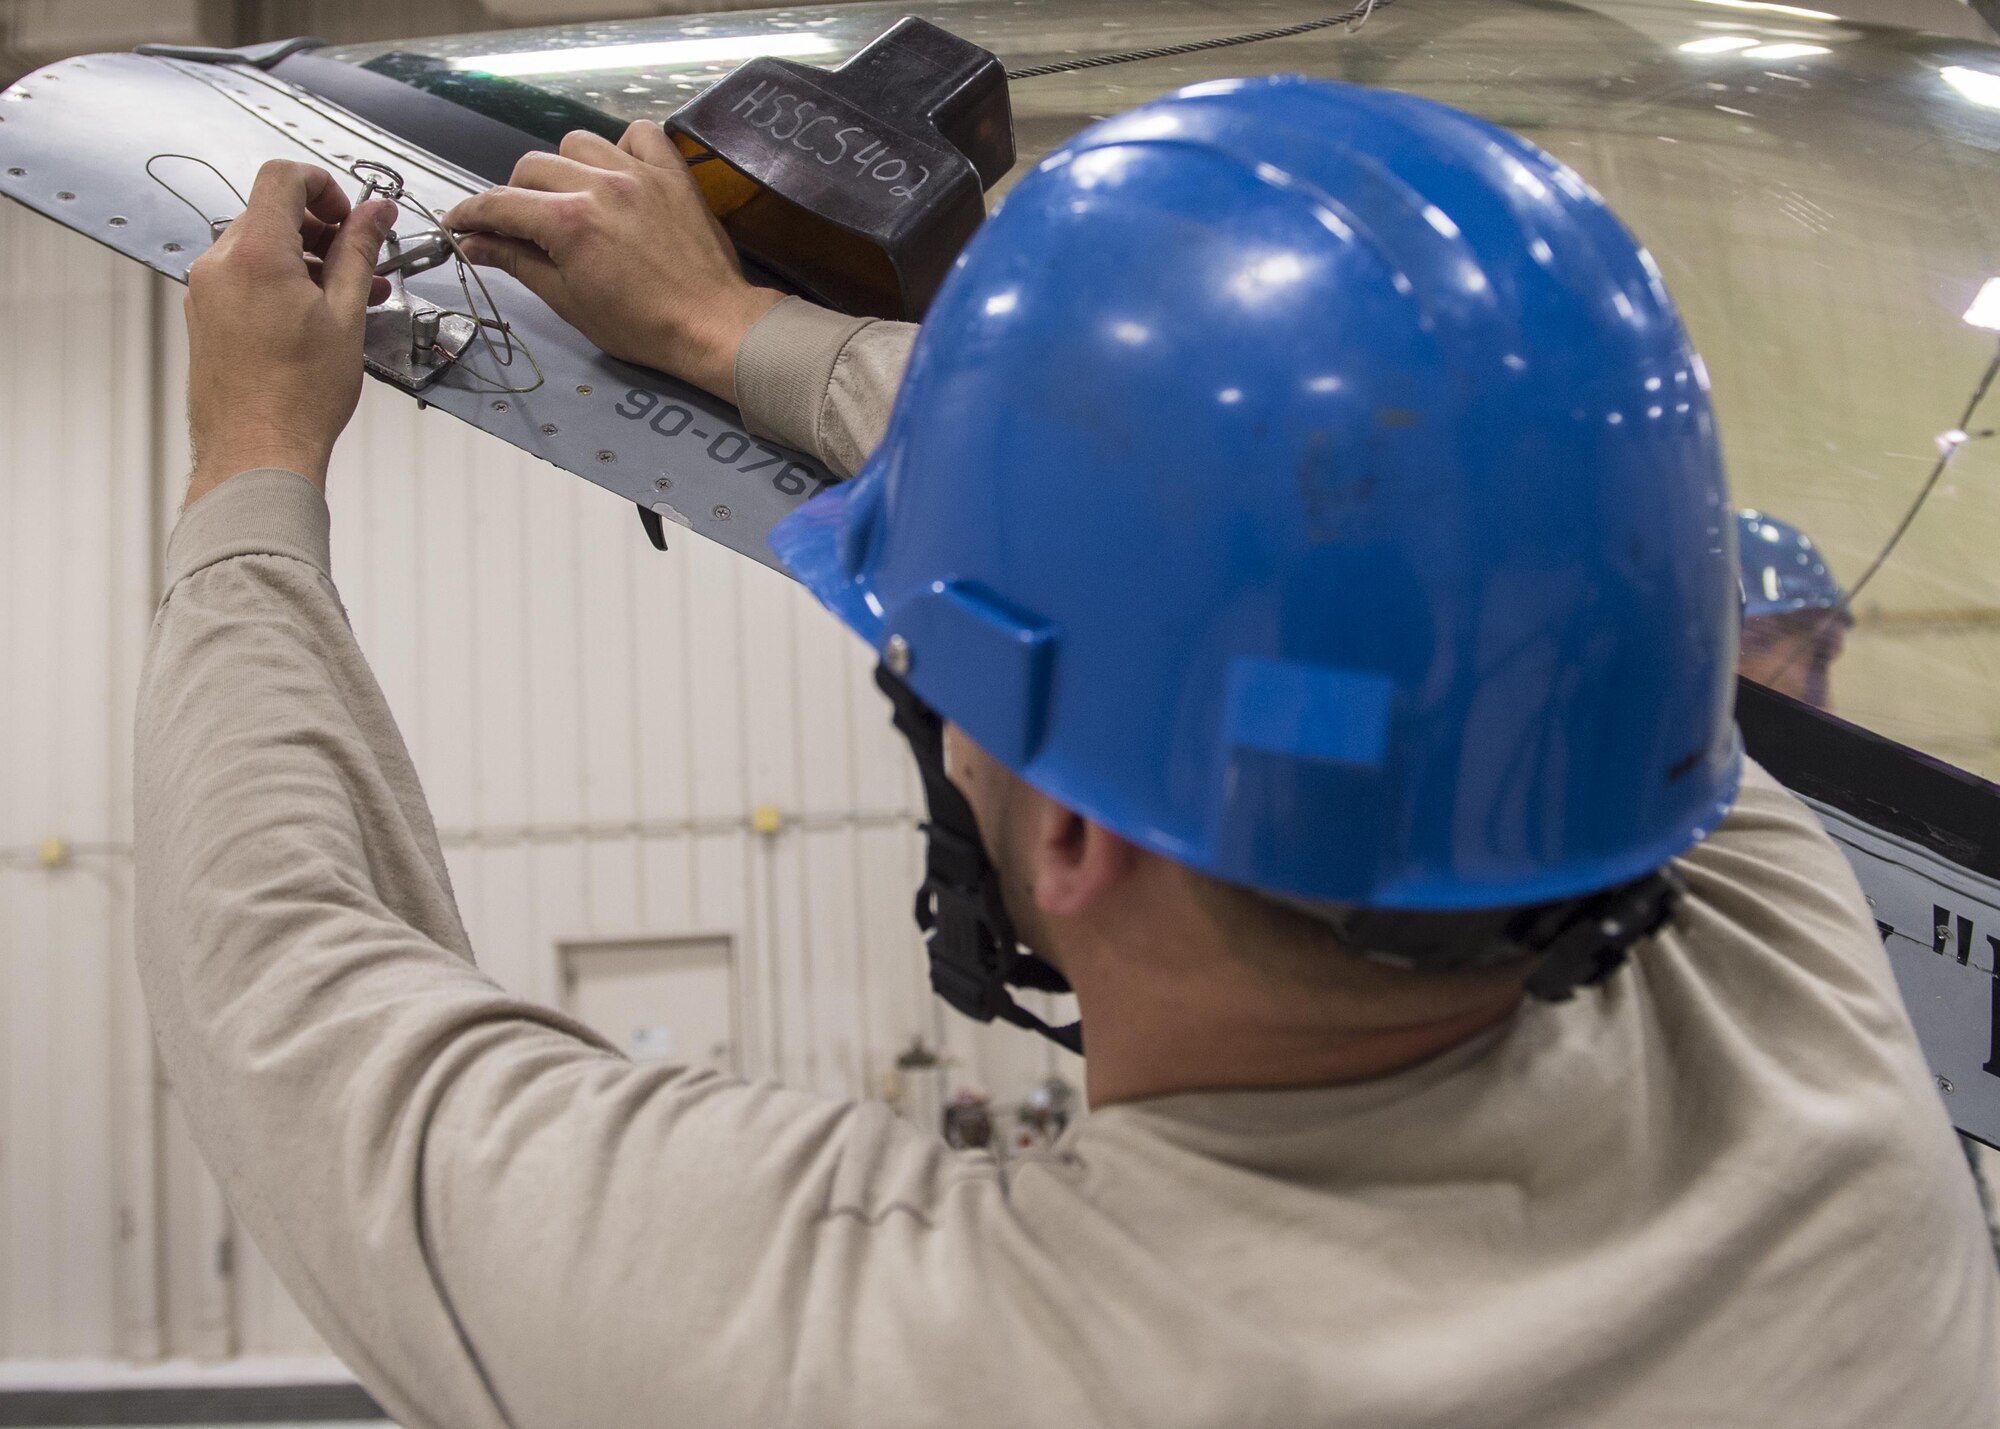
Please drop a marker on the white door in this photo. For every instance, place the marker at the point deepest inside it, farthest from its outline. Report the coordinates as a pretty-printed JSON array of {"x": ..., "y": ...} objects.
[{"x": 669, "y": 1000}]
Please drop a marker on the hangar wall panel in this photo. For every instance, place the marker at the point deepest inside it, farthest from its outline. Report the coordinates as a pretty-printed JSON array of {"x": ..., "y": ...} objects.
[
  {"x": 75, "y": 433},
  {"x": 596, "y": 725}
]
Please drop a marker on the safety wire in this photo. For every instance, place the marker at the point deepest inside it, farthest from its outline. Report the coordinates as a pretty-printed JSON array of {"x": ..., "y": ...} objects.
[
  {"x": 214, "y": 225},
  {"x": 1351, "y": 20},
  {"x": 469, "y": 276},
  {"x": 1948, "y": 445},
  {"x": 485, "y": 323}
]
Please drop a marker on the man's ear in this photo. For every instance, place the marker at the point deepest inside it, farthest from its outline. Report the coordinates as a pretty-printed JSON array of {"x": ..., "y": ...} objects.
[{"x": 1076, "y": 863}]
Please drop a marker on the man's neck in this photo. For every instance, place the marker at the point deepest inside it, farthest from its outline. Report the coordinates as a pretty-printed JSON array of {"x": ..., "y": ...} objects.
[{"x": 1151, "y": 1041}]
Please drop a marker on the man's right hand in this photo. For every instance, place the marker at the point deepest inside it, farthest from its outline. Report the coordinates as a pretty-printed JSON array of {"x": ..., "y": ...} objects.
[{"x": 617, "y": 240}]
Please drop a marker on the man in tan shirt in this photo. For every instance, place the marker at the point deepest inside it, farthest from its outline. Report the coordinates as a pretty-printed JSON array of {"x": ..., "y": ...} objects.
[{"x": 1713, "y": 1188}]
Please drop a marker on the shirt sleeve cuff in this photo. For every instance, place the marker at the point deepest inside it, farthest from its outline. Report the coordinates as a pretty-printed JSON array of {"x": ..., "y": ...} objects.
[
  {"x": 785, "y": 366},
  {"x": 259, "y": 513}
]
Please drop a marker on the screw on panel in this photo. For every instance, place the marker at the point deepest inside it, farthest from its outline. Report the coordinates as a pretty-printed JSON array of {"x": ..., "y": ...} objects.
[
  {"x": 723, "y": 513},
  {"x": 548, "y": 429},
  {"x": 663, "y": 483},
  {"x": 501, "y": 407},
  {"x": 17, "y": 173},
  {"x": 607, "y": 456},
  {"x": 1945, "y": 1086},
  {"x": 117, "y": 221},
  {"x": 896, "y": 655},
  {"x": 170, "y": 247},
  {"x": 584, "y": 390},
  {"x": 65, "y": 195}
]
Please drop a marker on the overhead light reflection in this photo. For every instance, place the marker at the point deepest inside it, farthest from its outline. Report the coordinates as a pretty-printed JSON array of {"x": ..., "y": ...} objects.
[
  {"x": 660, "y": 52},
  {"x": 1763, "y": 7},
  {"x": 1785, "y": 52},
  {"x": 1264, "y": 276},
  {"x": 1718, "y": 44},
  {"x": 1977, "y": 85},
  {"x": 1985, "y": 309}
]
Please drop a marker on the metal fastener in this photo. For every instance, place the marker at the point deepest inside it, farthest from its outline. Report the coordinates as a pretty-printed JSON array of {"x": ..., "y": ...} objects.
[
  {"x": 584, "y": 390},
  {"x": 170, "y": 247},
  {"x": 424, "y": 336},
  {"x": 607, "y": 456},
  {"x": 723, "y": 513},
  {"x": 17, "y": 173},
  {"x": 897, "y": 656},
  {"x": 117, "y": 221},
  {"x": 548, "y": 429},
  {"x": 65, "y": 195},
  {"x": 1945, "y": 1086},
  {"x": 663, "y": 483}
]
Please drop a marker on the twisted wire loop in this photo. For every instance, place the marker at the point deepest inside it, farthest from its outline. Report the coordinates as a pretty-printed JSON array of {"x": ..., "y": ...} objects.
[
  {"x": 214, "y": 225},
  {"x": 380, "y": 180}
]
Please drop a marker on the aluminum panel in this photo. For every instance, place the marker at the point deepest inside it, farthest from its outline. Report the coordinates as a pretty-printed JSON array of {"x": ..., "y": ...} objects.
[{"x": 76, "y": 143}]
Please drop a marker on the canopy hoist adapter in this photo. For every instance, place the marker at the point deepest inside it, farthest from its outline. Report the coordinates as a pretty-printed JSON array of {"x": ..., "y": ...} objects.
[
  {"x": 856, "y": 185},
  {"x": 859, "y": 184}
]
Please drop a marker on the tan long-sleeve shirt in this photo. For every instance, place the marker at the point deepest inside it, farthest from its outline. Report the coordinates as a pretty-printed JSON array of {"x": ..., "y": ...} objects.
[{"x": 1718, "y": 1191}]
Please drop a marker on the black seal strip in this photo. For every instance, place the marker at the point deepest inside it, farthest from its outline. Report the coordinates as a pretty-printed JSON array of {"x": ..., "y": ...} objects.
[
  {"x": 190, "y": 1404},
  {"x": 475, "y": 142},
  {"x": 1886, "y": 785}
]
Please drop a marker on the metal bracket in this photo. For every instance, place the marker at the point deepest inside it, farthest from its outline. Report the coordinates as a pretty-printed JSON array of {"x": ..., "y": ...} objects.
[
  {"x": 408, "y": 341},
  {"x": 265, "y": 56},
  {"x": 412, "y": 343}
]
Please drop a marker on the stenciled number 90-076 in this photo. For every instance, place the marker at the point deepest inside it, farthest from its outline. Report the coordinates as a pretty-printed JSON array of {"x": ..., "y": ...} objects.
[{"x": 670, "y": 419}]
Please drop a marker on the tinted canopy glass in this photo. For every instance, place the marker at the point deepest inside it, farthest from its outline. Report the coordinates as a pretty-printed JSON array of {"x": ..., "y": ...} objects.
[{"x": 1819, "y": 194}]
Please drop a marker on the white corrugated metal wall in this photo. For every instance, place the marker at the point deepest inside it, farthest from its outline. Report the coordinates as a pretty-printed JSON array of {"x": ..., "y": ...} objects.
[{"x": 595, "y": 724}]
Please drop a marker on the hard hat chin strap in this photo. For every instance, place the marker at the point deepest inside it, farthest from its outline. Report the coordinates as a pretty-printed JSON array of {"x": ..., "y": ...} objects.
[
  {"x": 1576, "y": 943},
  {"x": 975, "y": 957}
]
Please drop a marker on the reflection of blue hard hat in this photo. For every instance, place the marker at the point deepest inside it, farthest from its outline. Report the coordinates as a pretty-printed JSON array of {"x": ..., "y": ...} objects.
[
  {"x": 1783, "y": 570},
  {"x": 1315, "y": 486}
]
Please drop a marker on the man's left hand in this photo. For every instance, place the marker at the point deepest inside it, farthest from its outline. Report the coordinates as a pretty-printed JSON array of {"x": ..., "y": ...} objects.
[{"x": 276, "y": 311}]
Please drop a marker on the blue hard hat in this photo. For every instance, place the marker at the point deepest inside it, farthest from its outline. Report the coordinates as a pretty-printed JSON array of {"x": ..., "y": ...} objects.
[
  {"x": 1782, "y": 569},
  {"x": 1315, "y": 486}
]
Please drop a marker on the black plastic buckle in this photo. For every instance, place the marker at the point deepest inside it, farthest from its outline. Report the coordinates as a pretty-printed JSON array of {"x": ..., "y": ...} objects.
[
  {"x": 1597, "y": 941},
  {"x": 859, "y": 184}
]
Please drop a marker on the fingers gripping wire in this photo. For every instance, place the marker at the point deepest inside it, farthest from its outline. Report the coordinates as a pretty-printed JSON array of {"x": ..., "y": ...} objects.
[
  {"x": 488, "y": 320},
  {"x": 379, "y": 180}
]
